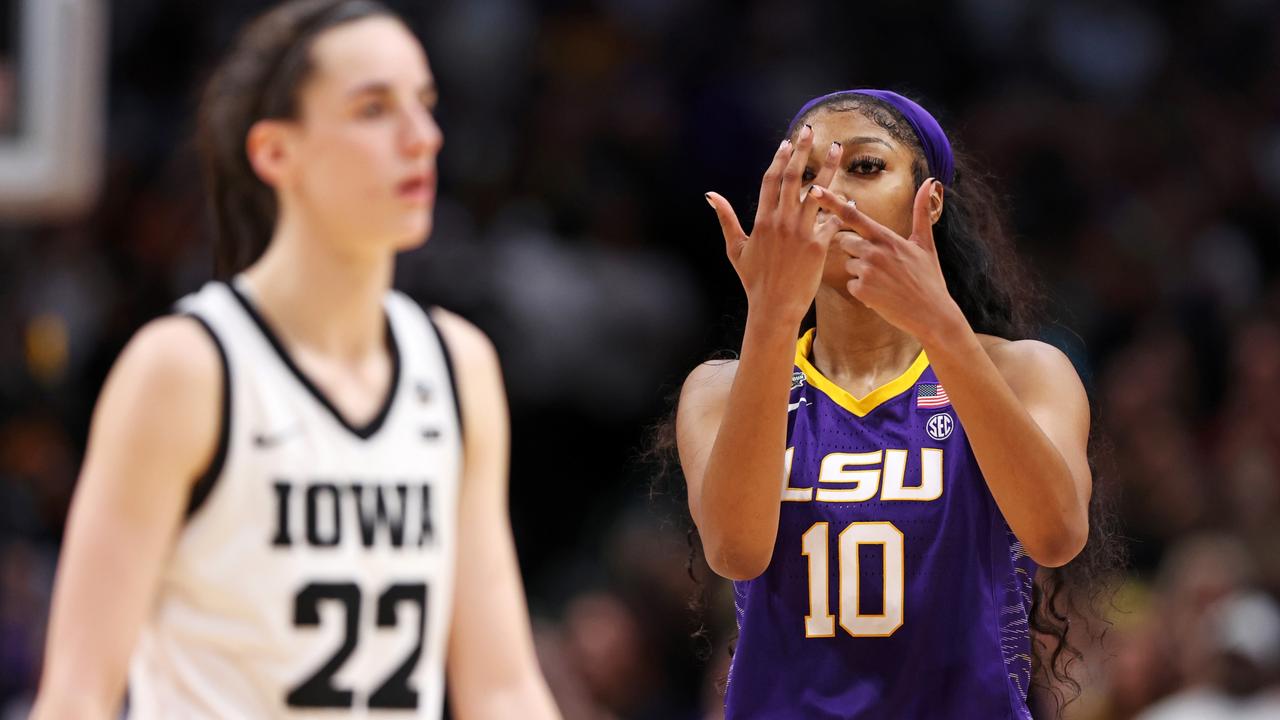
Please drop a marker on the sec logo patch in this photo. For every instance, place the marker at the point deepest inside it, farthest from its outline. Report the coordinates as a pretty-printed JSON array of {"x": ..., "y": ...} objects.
[{"x": 940, "y": 426}]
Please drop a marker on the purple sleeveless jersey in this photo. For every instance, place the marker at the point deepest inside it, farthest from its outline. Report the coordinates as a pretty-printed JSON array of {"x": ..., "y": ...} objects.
[{"x": 896, "y": 589}]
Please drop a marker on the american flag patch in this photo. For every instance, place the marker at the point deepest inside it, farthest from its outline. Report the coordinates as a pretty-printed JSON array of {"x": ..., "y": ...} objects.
[{"x": 931, "y": 395}]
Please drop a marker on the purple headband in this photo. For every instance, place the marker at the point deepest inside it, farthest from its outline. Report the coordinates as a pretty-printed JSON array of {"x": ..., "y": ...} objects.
[{"x": 937, "y": 149}]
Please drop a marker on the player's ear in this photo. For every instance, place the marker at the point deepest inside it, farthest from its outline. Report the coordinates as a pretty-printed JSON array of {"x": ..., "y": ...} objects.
[
  {"x": 269, "y": 149},
  {"x": 937, "y": 199}
]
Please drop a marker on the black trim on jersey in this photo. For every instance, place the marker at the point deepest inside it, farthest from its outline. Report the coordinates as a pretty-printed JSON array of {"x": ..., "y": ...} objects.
[
  {"x": 369, "y": 429},
  {"x": 205, "y": 483},
  {"x": 448, "y": 368}
]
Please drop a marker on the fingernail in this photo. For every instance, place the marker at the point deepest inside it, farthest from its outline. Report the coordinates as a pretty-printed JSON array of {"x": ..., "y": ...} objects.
[
  {"x": 852, "y": 205},
  {"x": 816, "y": 190},
  {"x": 835, "y": 149},
  {"x": 806, "y": 132},
  {"x": 785, "y": 143},
  {"x": 708, "y": 197}
]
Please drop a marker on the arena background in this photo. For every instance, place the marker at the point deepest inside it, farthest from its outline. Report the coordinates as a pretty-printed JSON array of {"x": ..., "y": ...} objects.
[{"x": 1138, "y": 143}]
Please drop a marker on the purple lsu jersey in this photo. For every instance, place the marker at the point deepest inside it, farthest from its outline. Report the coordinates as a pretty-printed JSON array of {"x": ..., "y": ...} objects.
[{"x": 896, "y": 589}]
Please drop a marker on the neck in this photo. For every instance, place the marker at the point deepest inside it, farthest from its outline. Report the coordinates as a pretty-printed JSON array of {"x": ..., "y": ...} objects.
[
  {"x": 319, "y": 295},
  {"x": 855, "y": 347}
]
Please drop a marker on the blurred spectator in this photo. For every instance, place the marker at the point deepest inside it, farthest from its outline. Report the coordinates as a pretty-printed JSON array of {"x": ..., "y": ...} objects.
[
  {"x": 1239, "y": 658},
  {"x": 26, "y": 573}
]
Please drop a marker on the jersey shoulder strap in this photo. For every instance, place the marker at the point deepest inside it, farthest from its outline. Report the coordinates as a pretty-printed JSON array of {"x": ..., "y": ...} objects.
[{"x": 426, "y": 347}]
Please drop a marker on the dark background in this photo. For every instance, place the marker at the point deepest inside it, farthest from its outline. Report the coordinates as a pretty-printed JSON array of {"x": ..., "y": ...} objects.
[
  {"x": 1138, "y": 144},
  {"x": 8, "y": 52}
]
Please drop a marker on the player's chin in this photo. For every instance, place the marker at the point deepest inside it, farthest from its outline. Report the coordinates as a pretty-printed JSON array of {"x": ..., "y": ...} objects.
[
  {"x": 835, "y": 278},
  {"x": 413, "y": 232},
  {"x": 411, "y": 242}
]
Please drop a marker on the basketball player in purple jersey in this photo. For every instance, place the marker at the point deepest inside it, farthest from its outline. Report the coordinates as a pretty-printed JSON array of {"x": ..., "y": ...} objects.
[{"x": 884, "y": 520}]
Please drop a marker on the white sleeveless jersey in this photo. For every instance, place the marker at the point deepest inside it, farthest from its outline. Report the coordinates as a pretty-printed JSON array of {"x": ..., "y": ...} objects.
[{"x": 314, "y": 574}]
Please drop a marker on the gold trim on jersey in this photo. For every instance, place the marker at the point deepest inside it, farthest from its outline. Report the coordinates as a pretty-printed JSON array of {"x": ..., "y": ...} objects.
[{"x": 844, "y": 398}]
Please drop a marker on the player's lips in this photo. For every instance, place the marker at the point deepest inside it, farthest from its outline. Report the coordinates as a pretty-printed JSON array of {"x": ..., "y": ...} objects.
[{"x": 419, "y": 189}]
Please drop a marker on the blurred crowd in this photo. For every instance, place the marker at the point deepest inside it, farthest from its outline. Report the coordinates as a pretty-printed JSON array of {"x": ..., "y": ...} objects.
[
  {"x": 7, "y": 84},
  {"x": 1137, "y": 142}
]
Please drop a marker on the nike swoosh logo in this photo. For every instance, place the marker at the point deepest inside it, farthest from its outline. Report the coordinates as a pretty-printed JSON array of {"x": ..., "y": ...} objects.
[
  {"x": 796, "y": 405},
  {"x": 424, "y": 392},
  {"x": 270, "y": 440}
]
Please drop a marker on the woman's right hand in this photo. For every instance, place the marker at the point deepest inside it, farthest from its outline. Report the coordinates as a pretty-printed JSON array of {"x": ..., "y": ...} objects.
[{"x": 780, "y": 263}]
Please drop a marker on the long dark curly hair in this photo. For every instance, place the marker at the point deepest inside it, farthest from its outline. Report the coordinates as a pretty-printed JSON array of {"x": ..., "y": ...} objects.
[{"x": 999, "y": 297}]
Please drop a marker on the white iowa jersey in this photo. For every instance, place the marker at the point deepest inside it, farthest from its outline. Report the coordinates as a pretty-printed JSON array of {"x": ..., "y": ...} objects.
[{"x": 314, "y": 574}]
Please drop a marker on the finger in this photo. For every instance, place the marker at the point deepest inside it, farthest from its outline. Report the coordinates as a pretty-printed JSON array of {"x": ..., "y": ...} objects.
[
  {"x": 793, "y": 173},
  {"x": 921, "y": 223},
  {"x": 855, "y": 245},
  {"x": 828, "y": 171},
  {"x": 860, "y": 269},
  {"x": 855, "y": 288},
  {"x": 772, "y": 181},
  {"x": 855, "y": 267},
  {"x": 853, "y": 218},
  {"x": 826, "y": 229},
  {"x": 734, "y": 237},
  {"x": 862, "y": 289},
  {"x": 862, "y": 292}
]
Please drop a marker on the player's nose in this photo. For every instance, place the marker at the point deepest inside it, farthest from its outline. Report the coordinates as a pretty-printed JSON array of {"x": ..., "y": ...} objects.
[{"x": 421, "y": 134}]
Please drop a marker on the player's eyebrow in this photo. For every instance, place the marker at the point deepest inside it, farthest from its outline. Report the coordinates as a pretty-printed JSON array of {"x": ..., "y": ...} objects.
[
  {"x": 382, "y": 87},
  {"x": 865, "y": 140},
  {"x": 372, "y": 87}
]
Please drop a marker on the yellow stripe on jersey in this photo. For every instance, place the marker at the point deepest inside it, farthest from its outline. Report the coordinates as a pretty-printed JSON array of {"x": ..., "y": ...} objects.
[{"x": 845, "y": 399}]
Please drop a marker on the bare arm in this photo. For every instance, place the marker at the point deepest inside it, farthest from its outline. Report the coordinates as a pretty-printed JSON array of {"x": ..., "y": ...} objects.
[
  {"x": 493, "y": 671},
  {"x": 154, "y": 430},
  {"x": 731, "y": 427},
  {"x": 1023, "y": 407},
  {"x": 1027, "y": 418}
]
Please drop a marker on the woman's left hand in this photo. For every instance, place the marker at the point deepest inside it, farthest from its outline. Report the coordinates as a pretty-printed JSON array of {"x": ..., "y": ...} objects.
[{"x": 899, "y": 278}]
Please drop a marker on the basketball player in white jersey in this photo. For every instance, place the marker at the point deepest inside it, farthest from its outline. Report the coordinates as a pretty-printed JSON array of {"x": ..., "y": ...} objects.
[{"x": 293, "y": 501}]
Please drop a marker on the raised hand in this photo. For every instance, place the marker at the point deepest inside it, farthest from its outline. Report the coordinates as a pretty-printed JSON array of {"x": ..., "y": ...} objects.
[
  {"x": 780, "y": 262},
  {"x": 900, "y": 278}
]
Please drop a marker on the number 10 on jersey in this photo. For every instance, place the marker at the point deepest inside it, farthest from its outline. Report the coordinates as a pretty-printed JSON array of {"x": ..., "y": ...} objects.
[{"x": 815, "y": 544}]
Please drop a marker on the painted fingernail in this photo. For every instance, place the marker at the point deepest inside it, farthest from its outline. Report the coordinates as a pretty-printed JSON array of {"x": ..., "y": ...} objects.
[
  {"x": 806, "y": 132},
  {"x": 852, "y": 205},
  {"x": 708, "y": 197},
  {"x": 816, "y": 190},
  {"x": 785, "y": 143},
  {"x": 835, "y": 149}
]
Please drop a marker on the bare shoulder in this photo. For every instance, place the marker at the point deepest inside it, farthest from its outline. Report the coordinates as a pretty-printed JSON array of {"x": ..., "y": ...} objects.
[
  {"x": 712, "y": 375},
  {"x": 163, "y": 398},
  {"x": 478, "y": 377},
  {"x": 708, "y": 383},
  {"x": 466, "y": 342},
  {"x": 174, "y": 353},
  {"x": 700, "y": 410},
  {"x": 1029, "y": 362}
]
